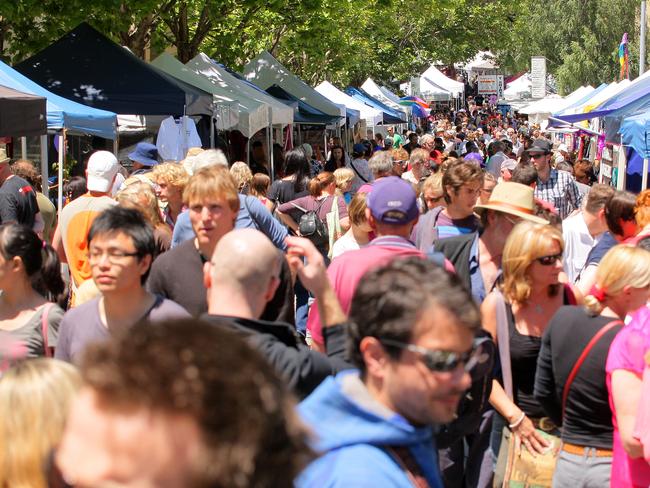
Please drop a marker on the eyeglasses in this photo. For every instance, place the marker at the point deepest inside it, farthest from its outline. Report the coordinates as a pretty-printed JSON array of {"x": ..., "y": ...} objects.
[
  {"x": 549, "y": 260},
  {"x": 115, "y": 256},
  {"x": 537, "y": 155},
  {"x": 442, "y": 361}
]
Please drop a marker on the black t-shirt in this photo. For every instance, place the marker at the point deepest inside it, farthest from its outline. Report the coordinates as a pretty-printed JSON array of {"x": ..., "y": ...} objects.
[
  {"x": 17, "y": 202},
  {"x": 587, "y": 416},
  {"x": 283, "y": 191}
]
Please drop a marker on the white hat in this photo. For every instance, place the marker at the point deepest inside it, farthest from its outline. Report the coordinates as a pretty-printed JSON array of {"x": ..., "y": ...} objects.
[
  {"x": 102, "y": 168},
  {"x": 562, "y": 148}
]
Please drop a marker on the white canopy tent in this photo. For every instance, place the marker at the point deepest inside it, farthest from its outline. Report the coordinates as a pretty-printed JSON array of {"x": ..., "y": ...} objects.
[
  {"x": 608, "y": 92},
  {"x": 518, "y": 88},
  {"x": 372, "y": 89},
  {"x": 261, "y": 109},
  {"x": 433, "y": 79},
  {"x": 541, "y": 110},
  {"x": 371, "y": 115},
  {"x": 483, "y": 61},
  {"x": 389, "y": 94},
  {"x": 265, "y": 71},
  {"x": 431, "y": 91}
]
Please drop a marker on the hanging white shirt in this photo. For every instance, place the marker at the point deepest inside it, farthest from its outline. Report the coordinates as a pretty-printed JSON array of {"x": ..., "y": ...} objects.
[{"x": 172, "y": 144}]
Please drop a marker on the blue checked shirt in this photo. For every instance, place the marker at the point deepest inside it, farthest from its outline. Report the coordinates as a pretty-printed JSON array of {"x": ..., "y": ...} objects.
[{"x": 560, "y": 190}]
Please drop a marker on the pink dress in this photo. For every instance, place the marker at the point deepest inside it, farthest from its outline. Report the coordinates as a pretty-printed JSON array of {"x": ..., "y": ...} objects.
[{"x": 627, "y": 352}]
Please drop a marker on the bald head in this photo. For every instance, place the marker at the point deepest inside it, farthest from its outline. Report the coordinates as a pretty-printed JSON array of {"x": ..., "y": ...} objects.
[{"x": 245, "y": 260}]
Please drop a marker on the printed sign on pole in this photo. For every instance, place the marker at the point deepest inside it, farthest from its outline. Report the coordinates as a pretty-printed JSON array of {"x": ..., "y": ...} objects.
[
  {"x": 487, "y": 85},
  {"x": 538, "y": 76}
]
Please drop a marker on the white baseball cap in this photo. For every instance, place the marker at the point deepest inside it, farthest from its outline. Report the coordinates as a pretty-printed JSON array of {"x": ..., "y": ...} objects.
[
  {"x": 102, "y": 168},
  {"x": 562, "y": 148}
]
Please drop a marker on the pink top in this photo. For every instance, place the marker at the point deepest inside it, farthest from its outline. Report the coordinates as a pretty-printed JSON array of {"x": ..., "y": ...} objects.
[
  {"x": 642, "y": 425},
  {"x": 346, "y": 271},
  {"x": 626, "y": 352}
]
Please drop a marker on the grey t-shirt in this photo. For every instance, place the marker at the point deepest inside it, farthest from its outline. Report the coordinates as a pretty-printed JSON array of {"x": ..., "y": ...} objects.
[
  {"x": 28, "y": 341},
  {"x": 82, "y": 325}
]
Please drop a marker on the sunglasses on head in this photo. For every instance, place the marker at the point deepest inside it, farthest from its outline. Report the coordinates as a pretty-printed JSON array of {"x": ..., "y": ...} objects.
[
  {"x": 549, "y": 260},
  {"x": 443, "y": 361}
]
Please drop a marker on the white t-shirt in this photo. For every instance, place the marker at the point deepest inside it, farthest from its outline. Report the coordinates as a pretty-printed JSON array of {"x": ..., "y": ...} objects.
[
  {"x": 345, "y": 243},
  {"x": 577, "y": 244},
  {"x": 408, "y": 176}
]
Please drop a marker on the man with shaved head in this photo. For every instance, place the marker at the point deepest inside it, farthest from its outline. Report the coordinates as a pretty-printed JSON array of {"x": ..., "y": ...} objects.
[{"x": 242, "y": 277}]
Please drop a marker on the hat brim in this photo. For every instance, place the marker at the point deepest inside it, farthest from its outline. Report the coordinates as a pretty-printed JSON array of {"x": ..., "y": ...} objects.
[
  {"x": 136, "y": 158},
  {"x": 536, "y": 151},
  {"x": 511, "y": 211}
]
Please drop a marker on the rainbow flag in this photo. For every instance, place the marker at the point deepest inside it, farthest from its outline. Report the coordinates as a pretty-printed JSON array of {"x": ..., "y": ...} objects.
[{"x": 623, "y": 58}]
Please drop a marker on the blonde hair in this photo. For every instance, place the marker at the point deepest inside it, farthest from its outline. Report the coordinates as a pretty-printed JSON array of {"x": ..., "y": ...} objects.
[
  {"x": 623, "y": 265},
  {"x": 140, "y": 196},
  {"x": 527, "y": 242},
  {"x": 343, "y": 177},
  {"x": 35, "y": 396},
  {"x": 242, "y": 174},
  {"x": 433, "y": 183},
  {"x": 357, "y": 208},
  {"x": 212, "y": 182},
  {"x": 173, "y": 174}
]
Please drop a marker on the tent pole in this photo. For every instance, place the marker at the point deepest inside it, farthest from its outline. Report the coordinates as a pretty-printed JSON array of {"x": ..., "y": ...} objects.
[
  {"x": 269, "y": 145},
  {"x": 325, "y": 145},
  {"x": 299, "y": 135},
  {"x": 116, "y": 145},
  {"x": 644, "y": 177},
  {"x": 23, "y": 147},
  {"x": 213, "y": 119},
  {"x": 248, "y": 151},
  {"x": 60, "y": 176},
  {"x": 44, "y": 167}
]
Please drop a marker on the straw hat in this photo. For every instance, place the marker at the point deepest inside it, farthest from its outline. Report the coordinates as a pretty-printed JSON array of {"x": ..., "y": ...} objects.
[{"x": 514, "y": 199}]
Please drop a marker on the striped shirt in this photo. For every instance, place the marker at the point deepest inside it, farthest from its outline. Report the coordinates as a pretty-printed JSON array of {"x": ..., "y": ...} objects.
[{"x": 560, "y": 190}]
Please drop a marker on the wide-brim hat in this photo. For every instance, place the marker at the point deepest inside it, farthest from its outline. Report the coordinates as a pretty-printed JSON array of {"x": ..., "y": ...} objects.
[
  {"x": 514, "y": 199},
  {"x": 145, "y": 153}
]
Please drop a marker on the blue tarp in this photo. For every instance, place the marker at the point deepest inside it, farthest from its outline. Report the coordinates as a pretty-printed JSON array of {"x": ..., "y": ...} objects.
[
  {"x": 390, "y": 116},
  {"x": 636, "y": 133},
  {"x": 62, "y": 112}
]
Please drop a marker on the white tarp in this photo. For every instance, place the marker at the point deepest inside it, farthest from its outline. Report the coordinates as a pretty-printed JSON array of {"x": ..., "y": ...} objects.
[
  {"x": 433, "y": 79},
  {"x": 265, "y": 71},
  {"x": 372, "y": 89},
  {"x": 262, "y": 109},
  {"x": 484, "y": 60},
  {"x": 371, "y": 115},
  {"x": 515, "y": 89}
]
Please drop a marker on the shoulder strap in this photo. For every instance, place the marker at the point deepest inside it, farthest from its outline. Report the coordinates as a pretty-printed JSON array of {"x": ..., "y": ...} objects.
[
  {"x": 44, "y": 328},
  {"x": 585, "y": 352},
  {"x": 303, "y": 210},
  {"x": 503, "y": 341},
  {"x": 357, "y": 172},
  {"x": 409, "y": 465}
]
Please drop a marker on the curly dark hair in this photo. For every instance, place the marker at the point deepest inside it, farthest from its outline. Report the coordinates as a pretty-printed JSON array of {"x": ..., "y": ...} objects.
[
  {"x": 390, "y": 299},
  {"x": 250, "y": 432}
]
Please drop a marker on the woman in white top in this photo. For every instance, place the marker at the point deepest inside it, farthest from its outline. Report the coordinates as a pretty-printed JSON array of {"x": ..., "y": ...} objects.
[{"x": 359, "y": 233}]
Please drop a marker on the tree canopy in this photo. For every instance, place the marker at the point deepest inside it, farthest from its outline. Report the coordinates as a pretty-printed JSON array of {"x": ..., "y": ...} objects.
[{"x": 345, "y": 41}]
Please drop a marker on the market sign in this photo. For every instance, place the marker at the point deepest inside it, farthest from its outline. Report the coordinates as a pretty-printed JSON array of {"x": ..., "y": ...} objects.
[
  {"x": 487, "y": 85},
  {"x": 538, "y": 76}
]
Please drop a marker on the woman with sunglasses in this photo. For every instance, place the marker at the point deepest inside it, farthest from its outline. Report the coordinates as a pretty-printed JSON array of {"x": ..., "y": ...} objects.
[
  {"x": 531, "y": 292},
  {"x": 622, "y": 286}
]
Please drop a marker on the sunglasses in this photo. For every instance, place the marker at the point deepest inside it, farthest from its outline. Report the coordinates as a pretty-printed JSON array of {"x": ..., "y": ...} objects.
[
  {"x": 537, "y": 155},
  {"x": 549, "y": 260},
  {"x": 443, "y": 361}
]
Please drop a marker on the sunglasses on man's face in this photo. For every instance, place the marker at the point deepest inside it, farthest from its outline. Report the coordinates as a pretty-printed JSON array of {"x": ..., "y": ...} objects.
[
  {"x": 442, "y": 361},
  {"x": 549, "y": 260}
]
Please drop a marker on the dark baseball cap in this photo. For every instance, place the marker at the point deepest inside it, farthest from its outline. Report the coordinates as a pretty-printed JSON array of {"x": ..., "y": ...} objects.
[{"x": 540, "y": 146}]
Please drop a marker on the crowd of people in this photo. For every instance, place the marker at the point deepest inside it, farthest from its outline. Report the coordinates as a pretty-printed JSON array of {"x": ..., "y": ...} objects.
[{"x": 461, "y": 305}]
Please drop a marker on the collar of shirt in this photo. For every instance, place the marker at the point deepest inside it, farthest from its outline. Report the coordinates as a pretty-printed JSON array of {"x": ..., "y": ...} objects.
[{"x": 392, "y": 241}]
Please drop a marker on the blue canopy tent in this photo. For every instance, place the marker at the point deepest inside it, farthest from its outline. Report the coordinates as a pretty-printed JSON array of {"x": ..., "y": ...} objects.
[
  {"x": 582, "y": 100},
  {"x": 61, "y": 114},
  {"x": 390, "y": 116}
]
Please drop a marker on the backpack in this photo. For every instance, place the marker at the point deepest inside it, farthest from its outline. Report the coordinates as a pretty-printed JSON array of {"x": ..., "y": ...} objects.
[{"x": 312, "y": 227}]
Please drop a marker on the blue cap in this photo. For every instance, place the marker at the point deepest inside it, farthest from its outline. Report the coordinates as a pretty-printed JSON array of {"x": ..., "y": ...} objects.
[
  {"x": 145, "y": 153},
  {"x": 358, "y": 149}
]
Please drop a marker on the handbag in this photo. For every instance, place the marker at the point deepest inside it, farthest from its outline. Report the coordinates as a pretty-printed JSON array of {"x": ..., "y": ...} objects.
[
  {"x": 526, "y": 470},
  {"x": 334, "y": 230}
]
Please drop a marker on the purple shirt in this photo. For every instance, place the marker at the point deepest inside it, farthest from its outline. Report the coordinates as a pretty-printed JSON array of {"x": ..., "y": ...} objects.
[{"x": 82, "y": 326}]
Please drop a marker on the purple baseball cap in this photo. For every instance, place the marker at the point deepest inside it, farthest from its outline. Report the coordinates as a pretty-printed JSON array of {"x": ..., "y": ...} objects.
[{"x": 392, "y": 200}]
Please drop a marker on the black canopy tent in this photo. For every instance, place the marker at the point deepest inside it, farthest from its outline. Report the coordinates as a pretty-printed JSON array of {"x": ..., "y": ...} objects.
[
  {"x": 22, "y": 114},
  {"x": 86, "y": 66}
]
